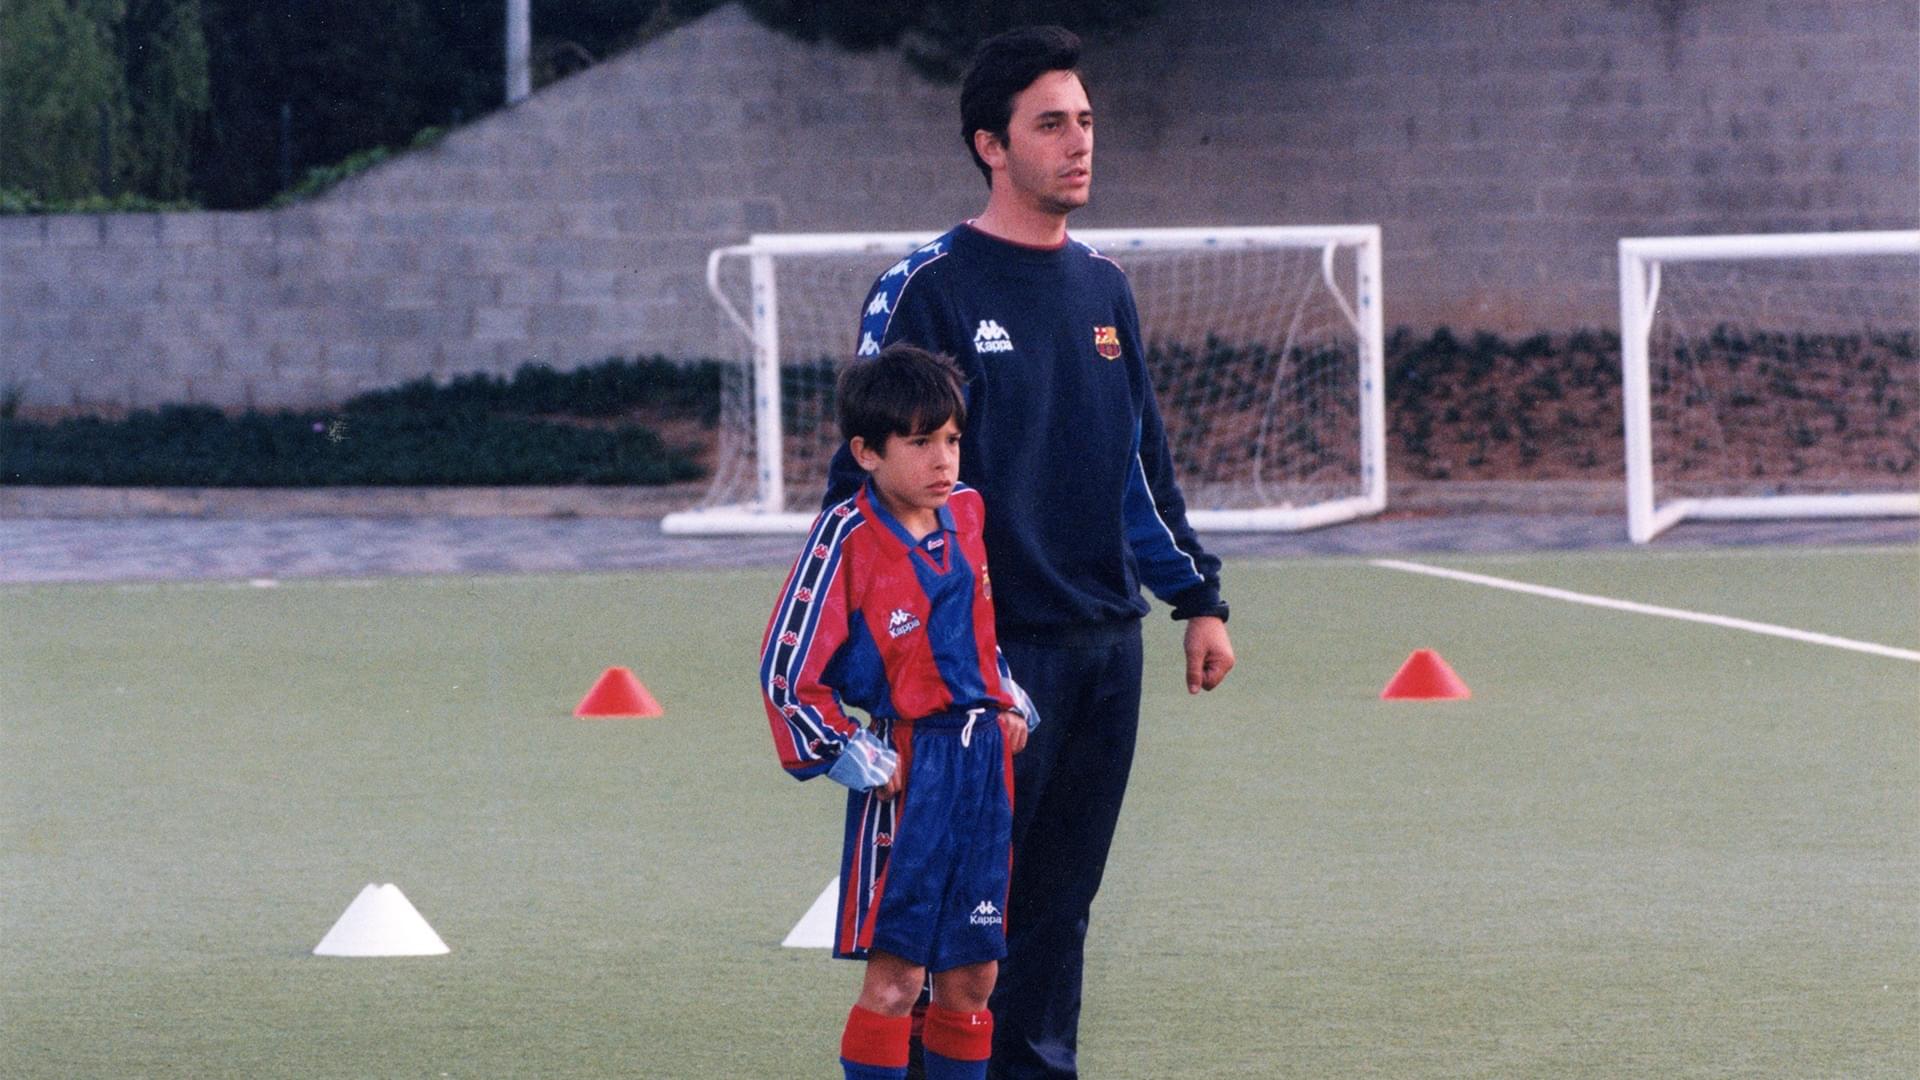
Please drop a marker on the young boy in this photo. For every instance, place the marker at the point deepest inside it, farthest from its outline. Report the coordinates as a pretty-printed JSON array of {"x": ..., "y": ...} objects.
[{"x": 890, "y": 610}]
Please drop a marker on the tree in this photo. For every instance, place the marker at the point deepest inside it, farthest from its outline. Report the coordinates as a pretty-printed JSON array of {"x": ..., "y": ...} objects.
[
  {"x": 938, "y": 37},
  {"x": 164, "y": 54},
  {"x": 347, "y": 76},
  {"x": 100, "y": 96},
  {"x": 62, "y": 95},
  {"x": 230, "y": 101}
]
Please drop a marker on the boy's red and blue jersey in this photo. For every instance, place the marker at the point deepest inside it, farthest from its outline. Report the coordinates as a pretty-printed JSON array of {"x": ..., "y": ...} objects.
[{"x": 874, "y": 620}]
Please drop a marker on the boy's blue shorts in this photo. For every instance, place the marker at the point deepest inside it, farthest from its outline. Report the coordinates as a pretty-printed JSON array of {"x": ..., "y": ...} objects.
[{"x": 924, "y": 875}]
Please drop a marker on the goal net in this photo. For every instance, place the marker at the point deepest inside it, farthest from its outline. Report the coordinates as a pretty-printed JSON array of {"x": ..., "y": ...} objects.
[
  {"x": 1265, "y": 346},
  {"x": 1770, "y": 376}
]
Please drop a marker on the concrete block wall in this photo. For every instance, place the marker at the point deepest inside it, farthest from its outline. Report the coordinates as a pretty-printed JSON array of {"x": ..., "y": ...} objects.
[{"x": 1504, "y": 147}]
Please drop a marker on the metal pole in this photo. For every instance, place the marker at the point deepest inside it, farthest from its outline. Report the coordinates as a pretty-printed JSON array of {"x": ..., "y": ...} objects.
[
  {"x": 769, "y": 440},
  {"x": 103, "y": 156},
  {"x": 519, "y": 45},
  {"x": 286, "y": 145}
]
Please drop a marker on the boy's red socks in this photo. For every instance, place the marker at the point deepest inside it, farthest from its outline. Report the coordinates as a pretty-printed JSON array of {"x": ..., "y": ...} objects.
[
  {"x": 958, "y": 1036},
  {"x": 874, "y": 1045}
]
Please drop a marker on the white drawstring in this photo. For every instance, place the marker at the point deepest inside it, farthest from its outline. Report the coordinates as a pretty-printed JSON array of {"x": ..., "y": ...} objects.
[{"x": 966, "y": 733}]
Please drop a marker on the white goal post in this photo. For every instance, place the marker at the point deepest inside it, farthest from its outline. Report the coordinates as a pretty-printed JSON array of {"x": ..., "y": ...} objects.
[
  {"x": 1770, "y": 376},
  {"x": 1266, "y": 345}
]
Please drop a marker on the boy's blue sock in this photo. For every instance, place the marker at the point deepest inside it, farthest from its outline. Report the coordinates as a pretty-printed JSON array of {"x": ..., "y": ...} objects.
[
  {"x": 946, "y": 1068},
  {"x": 874, "y": 1047},
  {"x": 958, "y": 1044}
]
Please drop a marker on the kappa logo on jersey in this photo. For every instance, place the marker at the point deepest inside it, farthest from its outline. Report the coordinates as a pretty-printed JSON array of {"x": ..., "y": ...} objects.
[
  {"x": 819, "y": 551},
  {"x": 803, "y": 594},
  {"x": 901, "y": 621},
  {"x": 779, "y": 682},
  {"x": 842, "y": 510},
  {"x": 884, "y": 839},
  {"x": 879, "y": 305},
  {"x": 868, "y": 346},
  {"x": 1106, "y": 341},
  {"x": 934, "y": 543},
  {"x": 895, "y": 270},
  {"x": 985, "y": 914},
  {"x": 991, "y": 337},
  {"x": 789, "y": 638}
]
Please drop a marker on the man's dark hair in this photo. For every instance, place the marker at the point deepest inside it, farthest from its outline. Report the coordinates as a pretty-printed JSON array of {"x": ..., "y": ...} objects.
[
  {"x": 903, "y": 391},
  {"x": 1004, "y": 66}
]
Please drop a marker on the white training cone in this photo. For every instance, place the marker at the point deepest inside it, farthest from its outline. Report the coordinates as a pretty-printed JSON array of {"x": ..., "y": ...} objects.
[
  {"x": 815, "y": 928},
  {"x": 381, "y": 922}
]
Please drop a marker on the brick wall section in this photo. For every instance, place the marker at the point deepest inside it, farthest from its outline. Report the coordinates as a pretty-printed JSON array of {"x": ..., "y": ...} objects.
[{"x": 1504, "y": 148}]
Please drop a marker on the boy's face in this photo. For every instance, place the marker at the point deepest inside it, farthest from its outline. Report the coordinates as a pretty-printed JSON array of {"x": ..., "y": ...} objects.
[{"x": 913, "y": 472}]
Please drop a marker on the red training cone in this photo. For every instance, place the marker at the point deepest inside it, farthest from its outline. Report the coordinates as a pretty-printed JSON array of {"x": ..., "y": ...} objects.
[
  {"x": 618, "y": 693},
  {"x": 1425, "y": 677}
]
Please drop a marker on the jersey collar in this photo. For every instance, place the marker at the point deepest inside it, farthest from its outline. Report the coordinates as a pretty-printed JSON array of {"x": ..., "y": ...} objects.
[{"x": 872, "y": 507}]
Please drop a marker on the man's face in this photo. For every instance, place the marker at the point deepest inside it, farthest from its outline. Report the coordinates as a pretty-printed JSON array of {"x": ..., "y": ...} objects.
[{"x": 1048, "y": 157}]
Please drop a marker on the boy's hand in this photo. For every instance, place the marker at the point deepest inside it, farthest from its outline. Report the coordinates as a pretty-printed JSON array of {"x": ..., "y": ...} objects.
[
  {"x": 892, "y": 787},
  {"x": 1013, "y": 728}
]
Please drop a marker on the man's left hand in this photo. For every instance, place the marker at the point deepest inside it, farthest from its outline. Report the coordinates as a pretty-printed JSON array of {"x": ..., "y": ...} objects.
[{"x": 1209, "y": 653}]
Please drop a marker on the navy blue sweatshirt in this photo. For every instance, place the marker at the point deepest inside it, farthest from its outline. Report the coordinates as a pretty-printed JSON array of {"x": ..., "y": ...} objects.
[{"x": 1063, "y": 435}]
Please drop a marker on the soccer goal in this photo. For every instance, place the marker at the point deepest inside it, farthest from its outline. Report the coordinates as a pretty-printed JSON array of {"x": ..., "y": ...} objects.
[
  {"x": 1770, "y": 376},
  {"x": 1266, "y": 348}
]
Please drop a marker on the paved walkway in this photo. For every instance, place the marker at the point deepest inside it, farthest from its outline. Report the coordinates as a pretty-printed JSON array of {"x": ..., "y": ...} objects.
[{"x": 112, "y": 549}]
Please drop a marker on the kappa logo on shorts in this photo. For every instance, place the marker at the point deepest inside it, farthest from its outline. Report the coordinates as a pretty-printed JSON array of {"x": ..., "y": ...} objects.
[
  {"x": 901, "y": 621},
  {"x": 985, "y": 915},
  {"x": 1106, "y": 341},
  {"x": 991, "y": 337}
]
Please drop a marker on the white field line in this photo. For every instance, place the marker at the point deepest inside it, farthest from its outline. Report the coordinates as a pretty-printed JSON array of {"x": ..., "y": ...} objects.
[{"x": 1652, "y": 609}]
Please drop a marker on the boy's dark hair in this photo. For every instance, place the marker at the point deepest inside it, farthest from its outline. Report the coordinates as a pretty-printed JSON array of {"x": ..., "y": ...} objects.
[
  {"x": 1003, "y": 66},
  {"x": 903, "y": 391}
]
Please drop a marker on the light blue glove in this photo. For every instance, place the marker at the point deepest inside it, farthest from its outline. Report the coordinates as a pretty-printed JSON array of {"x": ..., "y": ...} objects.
[{"x": 864, "y": 763}]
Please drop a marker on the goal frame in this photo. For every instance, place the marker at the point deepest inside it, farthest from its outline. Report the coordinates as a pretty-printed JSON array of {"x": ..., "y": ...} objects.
[
  {"x": 1640, "y": 261},
  {"x": 766, "y": 514}
]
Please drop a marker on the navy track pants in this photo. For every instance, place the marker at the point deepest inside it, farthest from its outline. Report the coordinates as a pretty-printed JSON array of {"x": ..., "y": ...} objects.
[{"x": 1068, "y": 786}]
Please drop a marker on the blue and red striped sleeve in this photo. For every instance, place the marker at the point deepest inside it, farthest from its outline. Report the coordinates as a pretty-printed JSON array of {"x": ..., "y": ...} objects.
[{"x": 809, "y": 627}]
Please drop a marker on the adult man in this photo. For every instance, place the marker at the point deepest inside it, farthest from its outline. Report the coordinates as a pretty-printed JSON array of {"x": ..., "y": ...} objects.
[{"x": 1065, "y": 443}]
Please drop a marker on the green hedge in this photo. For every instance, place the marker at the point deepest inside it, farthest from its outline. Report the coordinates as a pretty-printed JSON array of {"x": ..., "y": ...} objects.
[
  {"x": 1458, "y": 407},
  {"x": 15, "y": 200},
  {"x": 538, "y": 427},
  {"x": 610, "y": 388}
]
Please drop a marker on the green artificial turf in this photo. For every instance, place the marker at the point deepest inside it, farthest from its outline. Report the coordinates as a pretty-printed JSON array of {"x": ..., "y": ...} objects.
[{"x": 1644, "y": 847}]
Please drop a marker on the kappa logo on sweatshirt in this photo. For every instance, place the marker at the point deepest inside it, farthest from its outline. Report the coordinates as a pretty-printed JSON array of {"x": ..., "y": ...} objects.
[{"x": 991, "y": 337}]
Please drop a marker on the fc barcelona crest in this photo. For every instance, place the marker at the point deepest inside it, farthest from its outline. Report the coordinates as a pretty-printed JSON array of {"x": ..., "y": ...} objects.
[{"x": 1106, "y": 340}]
